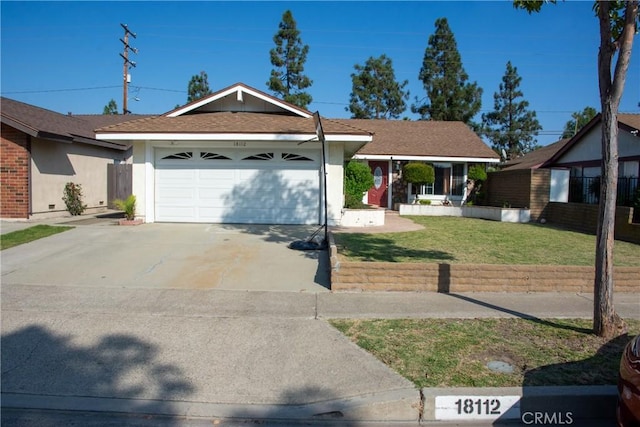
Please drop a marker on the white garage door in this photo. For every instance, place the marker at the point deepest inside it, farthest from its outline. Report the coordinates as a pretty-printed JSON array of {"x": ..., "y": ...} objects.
[{"x": 237, "y": 186}]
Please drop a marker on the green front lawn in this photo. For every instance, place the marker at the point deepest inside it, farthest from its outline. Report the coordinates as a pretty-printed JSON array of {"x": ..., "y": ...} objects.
[
  {"x": 455, "y": 352},
  {"x": 30, "y": 234},
  {"x": 476, "y": 241}
]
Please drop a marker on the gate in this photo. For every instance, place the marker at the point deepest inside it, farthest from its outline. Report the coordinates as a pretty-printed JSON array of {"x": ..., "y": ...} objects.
[{"x": 119, "y": 178}]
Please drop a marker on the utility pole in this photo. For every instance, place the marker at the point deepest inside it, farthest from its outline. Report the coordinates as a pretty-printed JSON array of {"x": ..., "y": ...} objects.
[{"x": 127, "y": 64}]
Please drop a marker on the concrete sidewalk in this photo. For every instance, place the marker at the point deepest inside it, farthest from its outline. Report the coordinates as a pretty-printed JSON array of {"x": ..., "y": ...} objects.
[{"x": 230, "y": 354}]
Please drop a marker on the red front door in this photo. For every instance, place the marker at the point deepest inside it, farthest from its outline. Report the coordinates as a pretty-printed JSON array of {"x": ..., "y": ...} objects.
[{"x": 378, "y": 193}]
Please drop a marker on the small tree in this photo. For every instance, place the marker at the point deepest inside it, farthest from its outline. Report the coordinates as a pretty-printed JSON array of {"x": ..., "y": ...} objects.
[
  {"x": 578, "y": 120},
  {"x": 451, "y": 97},
  {"x": 417, "y": 174},
  {"x": 198, "y": 87},
  {"x": 357, "y": 180},
  {"x": 128, "y": 206},
  {"x": 111, "y": 108},
  {"x": 288, "y": 57},
  {"x": 73, "y": 198},
  {"x": 375, "y": 92},
  {"x": 476, "y": 176},
  {"x": 511, "y": 126}
]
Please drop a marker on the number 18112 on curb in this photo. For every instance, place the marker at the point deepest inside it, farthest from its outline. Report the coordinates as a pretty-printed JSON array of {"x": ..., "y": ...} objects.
[{"x": 477, "y": 407}]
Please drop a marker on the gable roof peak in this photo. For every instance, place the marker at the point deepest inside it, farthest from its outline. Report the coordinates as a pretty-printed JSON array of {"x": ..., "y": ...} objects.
[{"x": 239, "y": 97}]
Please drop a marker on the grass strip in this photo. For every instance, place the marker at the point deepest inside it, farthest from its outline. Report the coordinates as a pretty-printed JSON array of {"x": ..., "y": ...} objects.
[
  {"x": 455, "y": 352},
  {"x": 30, "y": 234},
  {"x": 477, "y": 241}
]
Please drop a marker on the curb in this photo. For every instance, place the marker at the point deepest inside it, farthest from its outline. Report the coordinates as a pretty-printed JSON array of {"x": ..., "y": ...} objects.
[
  {"x": 400, "y": 405},
  {"x": 535, "y": 405},
  {"x": 558, "y": 405}
]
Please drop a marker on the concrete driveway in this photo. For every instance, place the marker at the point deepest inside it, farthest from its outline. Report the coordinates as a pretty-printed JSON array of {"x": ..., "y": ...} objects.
[{"x": 97, "y": 253}]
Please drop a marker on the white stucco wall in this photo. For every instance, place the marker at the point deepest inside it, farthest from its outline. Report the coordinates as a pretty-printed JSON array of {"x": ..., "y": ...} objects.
[
  {"x": 138, "y": 184},
  {"x": 590, "y": 147},
  {"x": 54, "y": 164},
  {"x": 335, "y": 183}
]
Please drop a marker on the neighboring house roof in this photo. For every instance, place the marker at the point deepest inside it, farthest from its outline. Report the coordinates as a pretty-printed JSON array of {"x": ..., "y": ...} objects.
[
  {"x": 46, "y": 124},
  {"x": 628, "y": 122},
  {"x": 535, "y": 159},
  {"x": 422, "y": 138}
]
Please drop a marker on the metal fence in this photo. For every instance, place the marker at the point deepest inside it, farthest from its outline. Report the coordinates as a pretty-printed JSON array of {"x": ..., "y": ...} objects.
[{"x": 587, "y": 190}]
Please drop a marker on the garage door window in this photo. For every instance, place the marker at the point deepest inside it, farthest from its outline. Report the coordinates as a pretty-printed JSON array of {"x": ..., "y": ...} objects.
[
  {"x": 213, "y": 156},
  {"x": 261, "y": 156},
  {"x": 290, "y": 157},
  {"x": 179, "y": 156}
]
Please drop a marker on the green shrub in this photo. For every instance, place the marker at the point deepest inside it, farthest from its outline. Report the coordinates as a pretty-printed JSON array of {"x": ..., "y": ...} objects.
[
  {"x": 418, "y": 173},
  {"x": 424, "y": 201},
  {"x": 73, "y": 198},
  {"x": 357, "y": 180},
  {"x": 476, "y": 176},
  {"x": 128, "y": 206},
  {"x": 477, "y": 173}
]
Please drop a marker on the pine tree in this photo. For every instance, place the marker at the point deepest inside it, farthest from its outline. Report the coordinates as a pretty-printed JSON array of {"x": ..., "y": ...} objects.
[
  {"x": 198, "y": 87},
  {"x": 451, "y": 97},
  {"x": 289, "y": 56},
  {"x": 110, "y": 108},
  {"x": 578, "y": 120},
  {"x": 511, "y": 127},
  {"x": 375, "y": 92}
]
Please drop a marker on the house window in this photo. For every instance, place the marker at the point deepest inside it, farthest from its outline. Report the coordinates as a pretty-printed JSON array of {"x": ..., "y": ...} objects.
[
  {"x": 427, "y": 189},
  {"x": 443, "y": 179},
  {"x": 458, "y": 183}
]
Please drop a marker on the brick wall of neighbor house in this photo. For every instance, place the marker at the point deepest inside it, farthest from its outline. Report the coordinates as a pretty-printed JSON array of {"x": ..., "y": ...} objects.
[
  {"x": 418, "y": 277},
  {"x": 509, "y": 187},
  {"x": 14, "y": 173},
  {"x": 520, "y": 188},
  {"x": 583, "y": 217},
  {"x": 540, "y": 190}
]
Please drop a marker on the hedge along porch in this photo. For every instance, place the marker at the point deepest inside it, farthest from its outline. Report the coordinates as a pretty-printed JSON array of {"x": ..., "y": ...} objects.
[
  {"x": 237, "y": 156},
  {"x": 451, "y": 147}
]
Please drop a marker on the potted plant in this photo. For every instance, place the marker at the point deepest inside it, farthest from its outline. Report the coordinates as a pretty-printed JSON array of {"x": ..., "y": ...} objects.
[{"x": 129, "y": 207}]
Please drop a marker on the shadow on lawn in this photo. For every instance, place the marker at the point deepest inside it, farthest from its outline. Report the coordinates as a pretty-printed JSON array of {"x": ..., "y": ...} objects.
[
  {"x": 515, "y": 313},
  {"x": 370, "y": 247},
  {"x": 570, "y": 405}
]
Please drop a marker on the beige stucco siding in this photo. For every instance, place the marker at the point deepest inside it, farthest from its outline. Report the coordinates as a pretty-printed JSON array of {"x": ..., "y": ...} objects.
[
  {"x": 138, "y": 180},
  {"x": 54, "y": 164}
]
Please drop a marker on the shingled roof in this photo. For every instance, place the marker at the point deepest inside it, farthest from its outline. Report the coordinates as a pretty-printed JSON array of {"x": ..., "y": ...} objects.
[
  {"x": 628, "y": 122},
  {"x": 232, "y": 122},
  {"x": 535, "y": 159},
  {"x": 46, "y": 124},
  {"x": 421, "y": 138}
]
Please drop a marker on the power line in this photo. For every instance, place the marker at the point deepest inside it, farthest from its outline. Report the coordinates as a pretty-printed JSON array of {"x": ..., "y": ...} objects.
[
  {"x": 89, "y": 88},
  {"x": 58, "y": 90}
]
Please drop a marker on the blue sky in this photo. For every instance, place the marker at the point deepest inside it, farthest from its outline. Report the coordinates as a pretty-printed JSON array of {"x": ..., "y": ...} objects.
[{"x": 64, "y": 56}]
